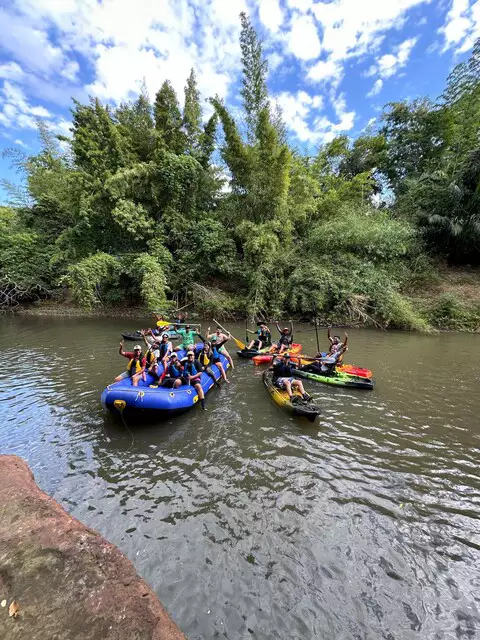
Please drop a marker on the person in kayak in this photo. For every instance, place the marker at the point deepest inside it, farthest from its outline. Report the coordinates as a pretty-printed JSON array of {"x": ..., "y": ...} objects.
[
  {"x": 325, "y": 364},
  {"x": 173, "y": 373},
  {"x": 286, "y": 338},
  {"x": 188, "y": 338},
  {"x": 335, "y": 343},
  {"x": 283, "y": 377},
  {"x": 210, "y": 354},
  {"x": 263, "y": 339},
  {"x": 219, "y": 340},
  {"x": 136, "y": 365},
  {"x": 192, "y": 373}
]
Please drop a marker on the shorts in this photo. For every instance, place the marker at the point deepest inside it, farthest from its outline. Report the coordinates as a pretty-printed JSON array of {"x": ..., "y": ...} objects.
[
  {"x": 124, "y": 375},
  {"x": 280, "y": 382},
  {"x": 216, "y": 361},
  {"x": 168, "y": 382}
]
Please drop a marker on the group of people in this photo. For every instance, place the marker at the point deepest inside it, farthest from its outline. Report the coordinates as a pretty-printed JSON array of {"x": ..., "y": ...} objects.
[
  {"x": 162, "y": 362},
  {"x": 325, "y": 364},
  {"x": 264, "y": 338},
  {"x": 168, "y": 370}
]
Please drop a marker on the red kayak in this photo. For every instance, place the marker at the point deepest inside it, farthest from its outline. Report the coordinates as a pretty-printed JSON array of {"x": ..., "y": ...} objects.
[
  {"x": 265, "y": 358},
  {"x": 350, "y": 369}
]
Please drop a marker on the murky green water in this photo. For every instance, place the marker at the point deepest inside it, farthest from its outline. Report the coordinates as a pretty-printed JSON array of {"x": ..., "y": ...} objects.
[{"x": 250, "y": 524}]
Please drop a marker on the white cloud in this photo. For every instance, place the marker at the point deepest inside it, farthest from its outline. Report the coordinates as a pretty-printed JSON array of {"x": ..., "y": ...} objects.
[
  {"x": 271, "y": 15},
  {"x": 301, "y": 5},
  {"x": 462, "y": 26},
  {"x": 20, "y": 143},
  {"x": 326, "y": 71},
  {"x": 303, "y": 40},
  {"x": 70, "y": 70},
  {"x": 375, "y": 90},
  {"x": 11, "y": 71},
  {"x": 390, "y": 64},
  {"x": 16, "y": 111},
  {"x": 274, "y": 61}
]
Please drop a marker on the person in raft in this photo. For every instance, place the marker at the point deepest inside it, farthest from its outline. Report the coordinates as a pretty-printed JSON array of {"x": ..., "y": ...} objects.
[
  {"x": 283, "y": 377},
  {"x": 263, "y": 339},
  {"x": 136, "y": 365},
  {"x": 173, "y": 373},
  {"x": 188, "y": 338},
  {"x": 210, "y": 354},
  {"x": 286, "y": 338},
  {"x": 336, "y": 345},
  {"x": 192, "y": 373},
  {"x": 219, "y": 339}
]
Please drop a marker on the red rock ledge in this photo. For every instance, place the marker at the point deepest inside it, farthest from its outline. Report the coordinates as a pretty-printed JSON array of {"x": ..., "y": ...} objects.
[{"x": 68, "y": 581}]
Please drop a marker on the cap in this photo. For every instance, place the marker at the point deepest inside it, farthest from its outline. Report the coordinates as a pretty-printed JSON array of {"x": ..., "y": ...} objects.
[
  {"x": 165, "y": 335},
  {"x": 190, "y": 353},
  {"x": 286, "y": 355},
  {"x": 213, "y": 338},
  {"x": 285, "y": 329},
  {"x": 173, "y": 355},
  {"x": 137, "y": 347},
  {"x": 187, "y": 326}
]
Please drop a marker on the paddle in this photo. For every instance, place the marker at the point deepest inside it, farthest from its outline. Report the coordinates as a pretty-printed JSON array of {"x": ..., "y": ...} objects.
[{"x": 239, "y": 343}]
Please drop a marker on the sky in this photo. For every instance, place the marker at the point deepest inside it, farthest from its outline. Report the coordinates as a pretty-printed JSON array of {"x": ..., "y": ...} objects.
[{"x": 333, "y": 65}]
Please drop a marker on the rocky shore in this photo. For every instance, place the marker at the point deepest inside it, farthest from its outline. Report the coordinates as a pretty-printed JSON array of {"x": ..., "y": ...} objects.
[{"x": 60, "y": 580}]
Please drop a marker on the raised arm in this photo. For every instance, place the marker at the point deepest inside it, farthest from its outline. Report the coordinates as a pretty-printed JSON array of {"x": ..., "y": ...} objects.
[
  {"x": 121, "y": 351},
  {"x": 278, "y": 328},
  {"x": 252, "y": 332},
  {"x": 345, "y": 340},
  {"x": 329, "y": 336},
  {"x": 291, "y": 328}
]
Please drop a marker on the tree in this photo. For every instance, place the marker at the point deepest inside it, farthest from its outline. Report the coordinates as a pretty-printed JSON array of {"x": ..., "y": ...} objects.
[
  {"x": 192, "y": 114},
  {"x": 168, "y": 118},
  {"x": 254, "y": 69}
]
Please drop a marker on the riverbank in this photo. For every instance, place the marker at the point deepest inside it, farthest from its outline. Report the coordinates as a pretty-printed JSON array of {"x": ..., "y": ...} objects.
[
  {"x": 453, "y": 304},
  {"x": 60, "y": 579}
]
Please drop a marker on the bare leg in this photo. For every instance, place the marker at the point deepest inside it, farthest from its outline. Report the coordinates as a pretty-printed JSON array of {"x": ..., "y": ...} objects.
[
  {"x": 228, "y": 357},
  {"x": 222, "y": 371},
  {"x": 299, "y": 385},
  {"x": 288, "y": 388}
]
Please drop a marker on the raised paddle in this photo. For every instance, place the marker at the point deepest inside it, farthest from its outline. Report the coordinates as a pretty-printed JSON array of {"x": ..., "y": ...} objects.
[{"x": 239, "y": 343}]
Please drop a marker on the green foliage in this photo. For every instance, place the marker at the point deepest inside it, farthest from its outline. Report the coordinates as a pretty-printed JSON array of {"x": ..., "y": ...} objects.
[
  {"x": 254, "y": 86},
  {"x": 192, "y": 114},
  {"x": 145, "y": 202},
  {"x": 168, "y": 118},
  {"x": 449, "y": 312}
]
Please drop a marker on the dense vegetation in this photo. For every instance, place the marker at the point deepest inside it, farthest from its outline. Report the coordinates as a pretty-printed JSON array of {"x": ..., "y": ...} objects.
[{"x": 152, "y": 205}]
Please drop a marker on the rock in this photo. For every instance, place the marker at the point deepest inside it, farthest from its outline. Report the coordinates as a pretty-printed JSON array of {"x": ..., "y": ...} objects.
[{"x": 68, "y": 581}]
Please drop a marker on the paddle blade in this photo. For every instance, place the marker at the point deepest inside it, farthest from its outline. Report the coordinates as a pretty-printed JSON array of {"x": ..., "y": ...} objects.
[{"x": 239, "y": 343}]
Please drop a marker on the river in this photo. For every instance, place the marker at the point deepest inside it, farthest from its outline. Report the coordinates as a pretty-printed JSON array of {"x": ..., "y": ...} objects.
[{"x": 249, "y": 523}]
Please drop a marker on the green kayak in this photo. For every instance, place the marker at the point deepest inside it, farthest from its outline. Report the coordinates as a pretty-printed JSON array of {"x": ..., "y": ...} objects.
[{"x": 338, "y": 379}]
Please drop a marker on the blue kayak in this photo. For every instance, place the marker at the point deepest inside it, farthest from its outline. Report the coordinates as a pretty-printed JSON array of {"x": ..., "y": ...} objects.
[{"x": 123, "y": 397}]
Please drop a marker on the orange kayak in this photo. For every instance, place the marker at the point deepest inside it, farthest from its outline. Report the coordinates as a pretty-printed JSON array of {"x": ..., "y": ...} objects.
[
  {"x": 265, "y": 358},
  {"x": 351, "y": 369}
]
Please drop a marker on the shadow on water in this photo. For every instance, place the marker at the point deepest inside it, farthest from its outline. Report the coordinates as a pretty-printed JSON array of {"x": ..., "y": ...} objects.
[{"x": 250, "y": 523}]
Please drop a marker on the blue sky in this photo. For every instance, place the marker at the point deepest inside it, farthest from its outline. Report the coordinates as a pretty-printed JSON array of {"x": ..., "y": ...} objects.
[{"x": 333, "y": 64}]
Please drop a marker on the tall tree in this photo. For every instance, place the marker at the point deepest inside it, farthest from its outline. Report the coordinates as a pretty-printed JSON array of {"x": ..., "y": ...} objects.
[
  {"x": 255, "y": 67},
  {"x": 192, "y": 114},
  {"x": 136, "y": 125},
  {"x": 168, "y": 118}
]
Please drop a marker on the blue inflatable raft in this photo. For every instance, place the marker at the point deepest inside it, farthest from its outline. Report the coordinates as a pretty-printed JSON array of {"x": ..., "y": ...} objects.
[{"x": 123, "y": 397}]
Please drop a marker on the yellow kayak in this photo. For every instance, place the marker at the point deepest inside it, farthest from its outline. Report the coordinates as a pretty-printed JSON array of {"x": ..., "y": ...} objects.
[{"x": 298, "y": 407}]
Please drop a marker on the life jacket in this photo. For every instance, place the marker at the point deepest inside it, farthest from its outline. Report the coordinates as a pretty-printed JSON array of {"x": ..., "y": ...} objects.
[
  {"x": 190, "y": 368},
  {"x": 150, "y": 357},
  {"x": 163, "y": 323},
  {"x": 135, "y": 366},
  {"x": 204, "y": 359},
  {"x": 173, "y": 371},
  {"x": 264, "y": 336},
  {"x": 282, "y": 370},
  {"x": 286, "y": 339},
  {"x": 163, "y": 348}
]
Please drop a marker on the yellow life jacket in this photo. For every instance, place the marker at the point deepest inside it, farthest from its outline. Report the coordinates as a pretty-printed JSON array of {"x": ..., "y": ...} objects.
[
  {"x": 163, "y": 323},
  {"x": 135, "y": 366},
  {"x": 150, "y": 358},
  {"x": 204, "y": 359}
]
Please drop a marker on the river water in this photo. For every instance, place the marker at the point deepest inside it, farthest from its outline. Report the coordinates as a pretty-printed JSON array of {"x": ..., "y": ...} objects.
[{"x": 252, "y": 524}]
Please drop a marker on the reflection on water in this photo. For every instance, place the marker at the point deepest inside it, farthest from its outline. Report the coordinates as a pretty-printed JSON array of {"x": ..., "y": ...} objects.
[{"x": 250, "y": 524}]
